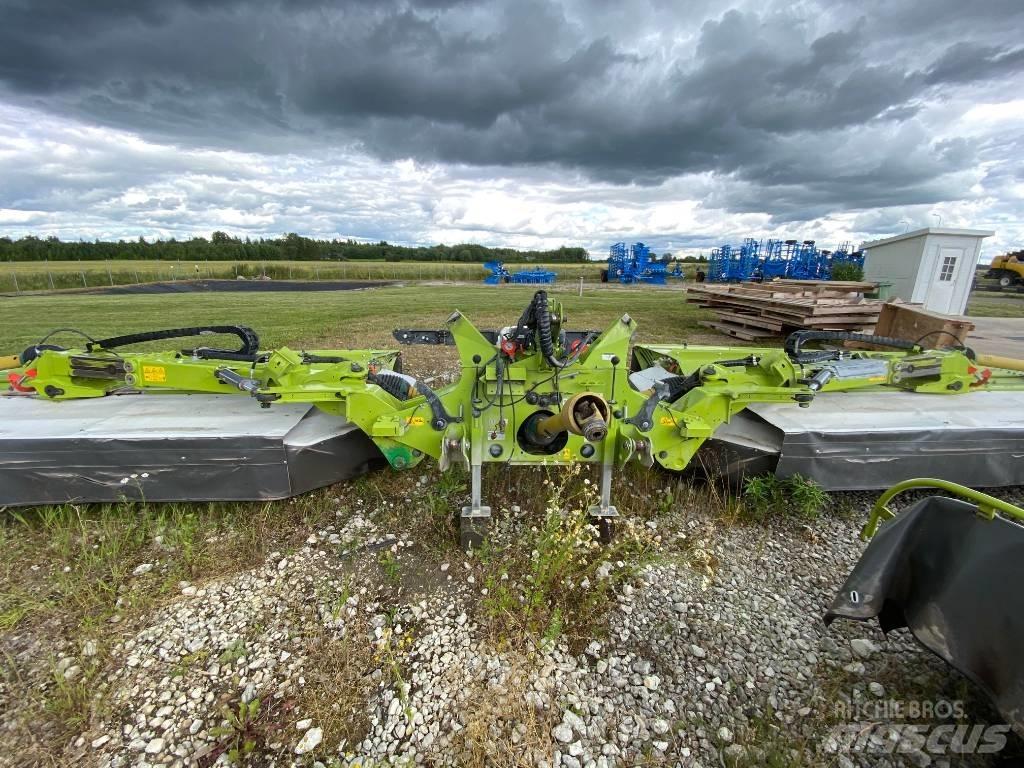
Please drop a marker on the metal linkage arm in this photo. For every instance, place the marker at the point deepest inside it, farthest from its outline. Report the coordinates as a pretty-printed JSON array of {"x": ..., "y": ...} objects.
[{"x": 987, "y": 505}]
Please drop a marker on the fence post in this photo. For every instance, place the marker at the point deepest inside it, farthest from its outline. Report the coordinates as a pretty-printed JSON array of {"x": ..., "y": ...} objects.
[
  {"x": 136, "y": 276},
  {"x": 15, "y": 276},
  {"x": 109, "y": 275},
  {"x": 316, "y": 273},
  {"x": 581, "y": 285},
  {"x": 49, "y": 276},
  {"x": 84, "y": 284}
]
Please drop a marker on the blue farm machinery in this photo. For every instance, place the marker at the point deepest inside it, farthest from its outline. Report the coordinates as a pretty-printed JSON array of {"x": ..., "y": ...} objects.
[
  {"x": 769, "y": 259},
  {"x": 500, "y": 274},
  {"x": 635, "y": 265}
]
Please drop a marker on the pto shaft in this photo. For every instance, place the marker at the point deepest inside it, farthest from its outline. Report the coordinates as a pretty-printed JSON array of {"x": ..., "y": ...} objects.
[
  {"x": 584, "y": 414},
  {"x": 997, "y": 361}
]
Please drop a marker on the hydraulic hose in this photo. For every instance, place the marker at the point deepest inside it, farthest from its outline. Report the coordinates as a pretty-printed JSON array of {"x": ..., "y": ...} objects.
[
  {"x": 403, "y": 387},
  {"x": 250, "y": 341},
  {"x": 542, "y": 318},
  {"x": 795, "y": 340}
]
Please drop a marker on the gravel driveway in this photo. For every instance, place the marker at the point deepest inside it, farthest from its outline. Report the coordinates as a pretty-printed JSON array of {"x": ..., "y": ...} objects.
[{"x": 713, "y": 653}]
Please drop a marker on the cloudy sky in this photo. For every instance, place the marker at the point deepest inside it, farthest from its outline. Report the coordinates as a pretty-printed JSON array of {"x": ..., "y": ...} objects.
[{"x": 528, "y": 123}]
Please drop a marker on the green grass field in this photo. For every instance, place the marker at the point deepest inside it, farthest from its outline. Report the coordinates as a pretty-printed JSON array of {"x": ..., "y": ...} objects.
[
  {"x": 986, "y": 304},
  {"x": 366, "y": 317},
  {"x": 27, "y": 276},
  {"x": 352, "y": 319}
]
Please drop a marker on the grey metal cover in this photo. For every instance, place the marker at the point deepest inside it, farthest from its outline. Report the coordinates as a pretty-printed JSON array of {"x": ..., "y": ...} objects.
[
  {"x": 171, "y": 448},
  {"x": 868, "y": 440}
]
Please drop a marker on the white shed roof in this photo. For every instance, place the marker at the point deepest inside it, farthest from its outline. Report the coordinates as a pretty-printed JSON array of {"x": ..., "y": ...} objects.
[{"x": 929, "y": 231}]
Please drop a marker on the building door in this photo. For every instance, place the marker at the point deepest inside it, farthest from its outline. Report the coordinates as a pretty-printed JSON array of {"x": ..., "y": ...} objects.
[{"x": 944, "y": 280}]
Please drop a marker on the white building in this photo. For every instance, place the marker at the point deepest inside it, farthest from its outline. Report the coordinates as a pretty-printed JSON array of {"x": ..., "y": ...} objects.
[{"x": 932, "y": 266}]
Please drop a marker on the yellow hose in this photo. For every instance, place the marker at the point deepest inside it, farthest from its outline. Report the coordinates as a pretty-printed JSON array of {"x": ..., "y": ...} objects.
[{"x": 997, "y": 361}]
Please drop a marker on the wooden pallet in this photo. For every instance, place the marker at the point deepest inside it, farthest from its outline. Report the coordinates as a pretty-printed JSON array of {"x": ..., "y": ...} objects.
[
  {"x": 752, "y": 311},
  {"x": 738, "y": 331}
]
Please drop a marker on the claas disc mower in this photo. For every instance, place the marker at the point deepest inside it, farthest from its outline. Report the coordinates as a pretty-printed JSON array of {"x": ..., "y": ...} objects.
[{"x": 531, "y": 393}]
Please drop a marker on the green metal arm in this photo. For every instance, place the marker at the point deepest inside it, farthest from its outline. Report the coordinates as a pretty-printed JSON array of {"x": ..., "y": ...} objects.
[
  {"x": 987, "y": 505},
  {"x": 504, "y": 389}
]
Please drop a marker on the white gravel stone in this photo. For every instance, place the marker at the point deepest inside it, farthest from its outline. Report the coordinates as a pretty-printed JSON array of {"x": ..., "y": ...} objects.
[
  {"x": 562, "y": 732},
  {"x": 863, "y": 647},
  {"x": 575, "y": 722},
  {"x": 310, "y": 740},
  {"x": 72, "y": 672}
]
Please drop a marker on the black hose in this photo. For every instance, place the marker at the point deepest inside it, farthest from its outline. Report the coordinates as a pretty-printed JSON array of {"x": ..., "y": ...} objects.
[
  {"x": 204, "y": 353},
  {"x": 35, "y": 350},
  {"x": 795, "y": 340},
  {"x": 400, "y": 386},
  {"x": 956, "y": 339},
  {"x": 542, "y": 317},
  {"x": 250, "y": 341}
]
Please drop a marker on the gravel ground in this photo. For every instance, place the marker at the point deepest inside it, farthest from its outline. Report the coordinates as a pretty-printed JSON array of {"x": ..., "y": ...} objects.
[{"x": 715, "y": 654}]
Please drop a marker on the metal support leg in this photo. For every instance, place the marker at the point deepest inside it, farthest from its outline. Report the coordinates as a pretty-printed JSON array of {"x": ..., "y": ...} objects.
[
  {"x": 475, "y": 518},
  {"x": 605, "y": 512}
]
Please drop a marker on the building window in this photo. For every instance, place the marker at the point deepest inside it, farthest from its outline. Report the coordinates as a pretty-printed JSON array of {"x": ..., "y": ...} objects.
[{"x": 948, "y": 266}]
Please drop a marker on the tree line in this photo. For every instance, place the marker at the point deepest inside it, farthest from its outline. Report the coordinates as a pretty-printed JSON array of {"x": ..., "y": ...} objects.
[{"x": 292, "y": 247}]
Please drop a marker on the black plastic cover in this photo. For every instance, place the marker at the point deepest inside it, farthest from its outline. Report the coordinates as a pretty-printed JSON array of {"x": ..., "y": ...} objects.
[{"x": 954, "y": 579}]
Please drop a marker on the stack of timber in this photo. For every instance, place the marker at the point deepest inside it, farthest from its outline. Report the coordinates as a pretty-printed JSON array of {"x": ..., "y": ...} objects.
[{"x": 752, "y": 311}]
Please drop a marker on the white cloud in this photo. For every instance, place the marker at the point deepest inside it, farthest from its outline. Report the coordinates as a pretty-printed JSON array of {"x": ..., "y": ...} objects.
[{"x": 73, "y": 180}]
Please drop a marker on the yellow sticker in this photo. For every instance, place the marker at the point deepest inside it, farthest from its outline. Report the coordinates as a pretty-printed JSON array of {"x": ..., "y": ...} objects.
[
  {"x": 666, "y": 421},
  {"x": 417, "y": 421},
  {"x": 566, "y": 454},
  {"x": 154, "y": 374}
]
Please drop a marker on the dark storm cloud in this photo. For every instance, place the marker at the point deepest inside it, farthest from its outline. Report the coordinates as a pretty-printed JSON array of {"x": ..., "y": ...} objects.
[
  {"x": 966, "y": 62},
  {"x": 770, "y": 98}
]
